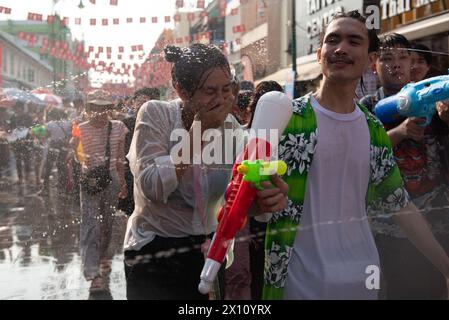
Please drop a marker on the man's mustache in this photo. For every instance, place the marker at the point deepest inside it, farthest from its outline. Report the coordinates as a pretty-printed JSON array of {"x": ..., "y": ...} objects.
[{"x": 336, "y": 59}]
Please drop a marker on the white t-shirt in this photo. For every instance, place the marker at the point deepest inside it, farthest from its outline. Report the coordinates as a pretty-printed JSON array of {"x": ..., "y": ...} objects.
[{"x": 334, "y": 244}]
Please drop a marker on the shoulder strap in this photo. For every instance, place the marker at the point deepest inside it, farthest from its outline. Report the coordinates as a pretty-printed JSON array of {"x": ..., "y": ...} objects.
[{"x": 108, "y": 145}]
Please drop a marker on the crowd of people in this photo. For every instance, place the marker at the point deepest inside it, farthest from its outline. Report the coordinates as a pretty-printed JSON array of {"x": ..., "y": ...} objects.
[{"x": 356, "y": 194}]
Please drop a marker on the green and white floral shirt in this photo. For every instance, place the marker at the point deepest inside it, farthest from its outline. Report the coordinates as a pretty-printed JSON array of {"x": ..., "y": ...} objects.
[{"x": 385, "y": 194}]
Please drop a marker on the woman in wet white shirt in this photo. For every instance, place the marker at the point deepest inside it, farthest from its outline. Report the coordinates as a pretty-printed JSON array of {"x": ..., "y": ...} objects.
[{"x": 176, "y": 201}]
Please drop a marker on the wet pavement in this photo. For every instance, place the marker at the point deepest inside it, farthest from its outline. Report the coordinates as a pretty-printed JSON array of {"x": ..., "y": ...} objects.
[{"x": 39, "y": 247}]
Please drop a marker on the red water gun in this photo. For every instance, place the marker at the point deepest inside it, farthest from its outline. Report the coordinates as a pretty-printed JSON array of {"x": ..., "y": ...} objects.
[{"x": 248, "y": 172}]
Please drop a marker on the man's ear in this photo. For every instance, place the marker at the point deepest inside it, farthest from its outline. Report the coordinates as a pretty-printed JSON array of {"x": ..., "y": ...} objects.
[{"x": 318, "y": 55}]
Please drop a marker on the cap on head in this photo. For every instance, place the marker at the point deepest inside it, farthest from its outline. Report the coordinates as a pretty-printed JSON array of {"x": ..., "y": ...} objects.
[{"x": 100, "y": 98}]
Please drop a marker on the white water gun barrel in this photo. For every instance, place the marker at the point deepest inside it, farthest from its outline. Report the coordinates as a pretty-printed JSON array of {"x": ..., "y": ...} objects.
[
  {"x": 273, "y": 112},
  {"x": 208, "y": 275}
]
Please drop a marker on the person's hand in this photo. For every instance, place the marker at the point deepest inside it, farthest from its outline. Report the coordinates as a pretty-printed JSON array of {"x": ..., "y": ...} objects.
[
  {"x": 411, "y": 129},
  {"x": 213, "y": 114},
  {"x": 443, "y": 110},
  {"x": 274, "y": 196},
  {"x": 123, "y": 191}
]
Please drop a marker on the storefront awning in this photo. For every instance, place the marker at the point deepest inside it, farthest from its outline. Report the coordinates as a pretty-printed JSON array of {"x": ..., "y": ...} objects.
[
  {"x": 426, "y": 27},
  {"x": 308, "y": 71}
]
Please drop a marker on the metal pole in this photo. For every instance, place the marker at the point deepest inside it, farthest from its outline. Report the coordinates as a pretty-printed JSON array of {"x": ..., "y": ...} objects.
[{"x": 294, "y": 67}]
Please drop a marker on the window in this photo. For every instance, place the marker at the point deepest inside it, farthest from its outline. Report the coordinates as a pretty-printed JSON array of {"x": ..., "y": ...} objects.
[
  {"x": 31, "y": 75},
  {"x": 5, "y": 61},
  {"x": 11, "y": 60}
]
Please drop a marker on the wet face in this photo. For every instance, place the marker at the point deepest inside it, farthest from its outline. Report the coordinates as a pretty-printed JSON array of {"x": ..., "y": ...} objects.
[
  {"x": 215, "y": 87},
  {"x": 393, "y": 67},
  {"x": 344, "y": 52},
  {"x": 97, "y": 112},
  {"x": 419, "y": 68}
]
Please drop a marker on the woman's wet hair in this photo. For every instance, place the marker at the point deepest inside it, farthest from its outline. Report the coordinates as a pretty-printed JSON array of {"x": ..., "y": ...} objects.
[
  {"x": 190, "y": 64},
  {"x": 354, "y": 14}
]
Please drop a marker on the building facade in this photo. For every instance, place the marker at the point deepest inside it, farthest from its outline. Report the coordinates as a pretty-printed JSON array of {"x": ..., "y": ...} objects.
[{"x": 22, "y": 68}]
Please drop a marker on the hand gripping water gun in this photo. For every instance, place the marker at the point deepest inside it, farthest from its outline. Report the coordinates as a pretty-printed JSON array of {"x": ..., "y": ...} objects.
[
  {"x": 272, "y": 115},
  {"x": 414, "y": 100}
]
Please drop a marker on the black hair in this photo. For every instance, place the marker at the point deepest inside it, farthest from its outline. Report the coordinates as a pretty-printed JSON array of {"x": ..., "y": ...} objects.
[
  {"x": 244, "y": 99},
  {"x": 354, "y": 14},
  {"x": 152, "y": 93},
  {"x": 261, "y": 89},
  {"x": 246, "y": 85},
  {"x": 423, "y": 51},
  {"x": 392, "y": 40},
  {"x": 19, "y": 105},
  {"x": 191, "y": 63}
]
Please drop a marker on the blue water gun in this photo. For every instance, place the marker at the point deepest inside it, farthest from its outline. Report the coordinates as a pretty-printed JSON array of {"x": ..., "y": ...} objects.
[{"x": 414, "y": 100}]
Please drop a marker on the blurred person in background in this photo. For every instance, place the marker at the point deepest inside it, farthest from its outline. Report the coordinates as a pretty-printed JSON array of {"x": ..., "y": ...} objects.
[
  {"x": 59, "y": 132},
  {"x": 4, "y": 145},
  {"x": 421, "y": 61},
  {"x": 98, "y": 207},
  {"x": 138, "y": 99},
  {"x": 22, "y": 144}
]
